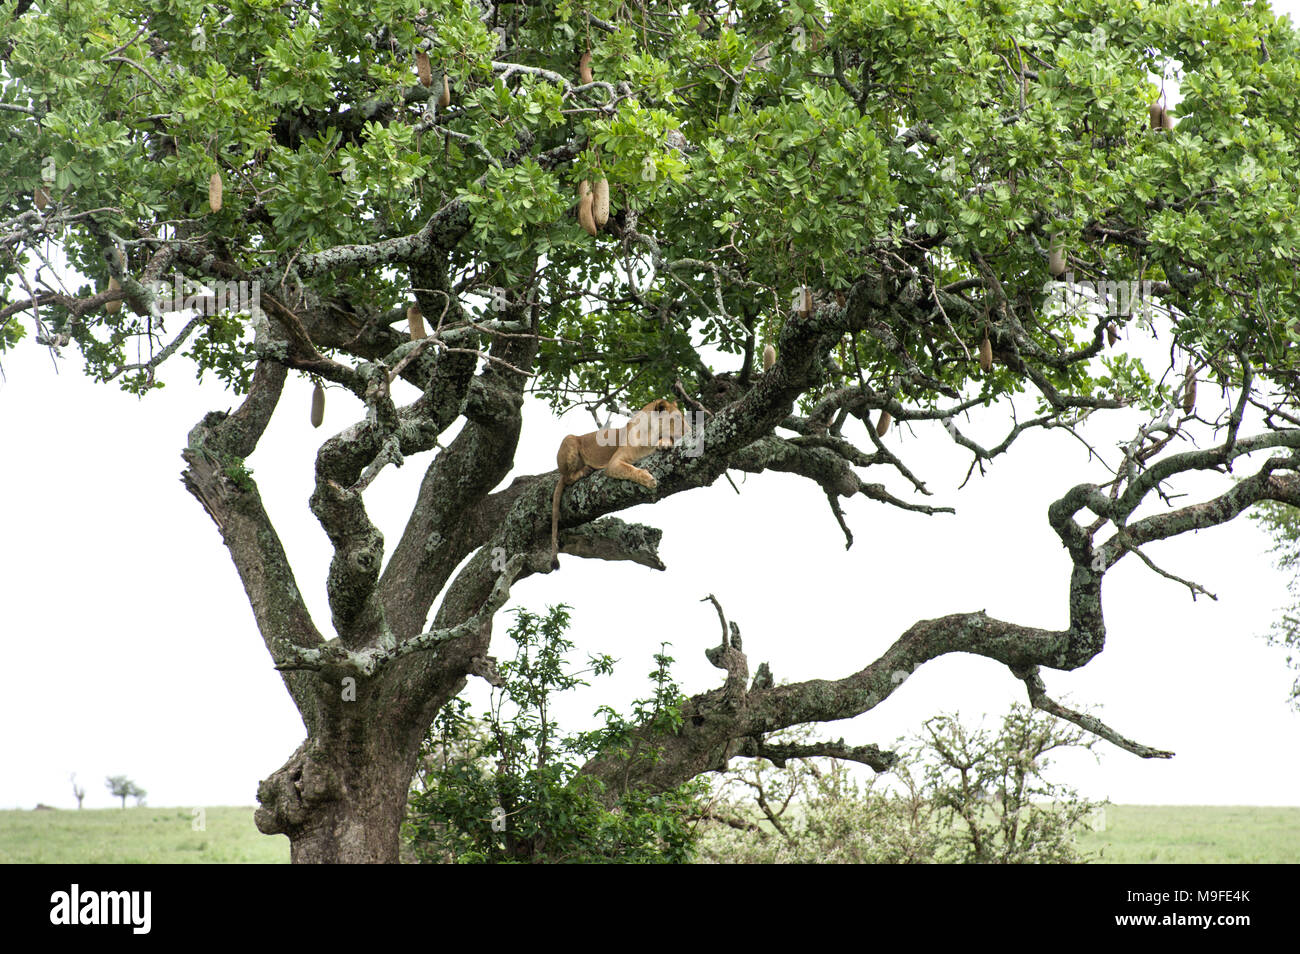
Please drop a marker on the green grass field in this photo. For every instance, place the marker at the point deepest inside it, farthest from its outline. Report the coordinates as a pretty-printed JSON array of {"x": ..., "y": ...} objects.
[
  {"x": 1134, "y": 834},
  {"x": 1194, "y": 834},
  {"x": 137, "y": 836}
]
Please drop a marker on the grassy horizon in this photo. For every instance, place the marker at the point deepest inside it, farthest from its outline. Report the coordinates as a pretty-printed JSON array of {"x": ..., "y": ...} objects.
[
  {"x": 1134, "y": 834},
  {"x": 137, "y": 835}
]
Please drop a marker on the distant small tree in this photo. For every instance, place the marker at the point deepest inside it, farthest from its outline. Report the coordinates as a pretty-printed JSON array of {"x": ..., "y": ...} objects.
[
  {"x": 122, "y": 787},
  {"x": 78, "y": 791}
]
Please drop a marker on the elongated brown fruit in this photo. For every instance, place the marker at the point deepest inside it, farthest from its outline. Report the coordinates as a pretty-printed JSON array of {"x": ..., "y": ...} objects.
[
  {"x": 415, "y": 318},
  {"x": 600, "y": 202},
  {"x": 883, "y": 425},
  {"x": 422, "y": 68},
  {"x": 41, "y": 198},
  {"x": 585, "y": 202},
  {"x": 1160, "y": 120},
  {"x": 1056, "y": 257},
  {"x": 769, "y": 357},
  {"x": 444, "y": 100},
  {"x": 584, "y": 68},
  {"x": 317, "y": 406},
  {"x": 114, "y": 306},
  {"x": 1111, "y": 336},
  {"x": 986, "y": 355},
  {"x": 214, "y": 192},
  {"x": 1189, "y": 394}
]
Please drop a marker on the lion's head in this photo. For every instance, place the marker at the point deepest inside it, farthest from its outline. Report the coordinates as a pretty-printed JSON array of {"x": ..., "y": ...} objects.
[
  {"x": 671, "y": 421},
  {"x": 657, "y": 421}
]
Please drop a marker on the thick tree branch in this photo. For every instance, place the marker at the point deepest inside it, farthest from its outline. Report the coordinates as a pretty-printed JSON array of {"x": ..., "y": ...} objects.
[
  {"x": 215, "y": 474},
  {"x": 336, "y": 660}
]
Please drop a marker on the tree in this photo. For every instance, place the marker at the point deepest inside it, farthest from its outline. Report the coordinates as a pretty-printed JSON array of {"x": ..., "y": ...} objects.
[
  {"x": 994, "y": 803},
  {"x": 815, "y": 811},
  {"x": 122, "y": 787},
  {"x": 78, "y": 791},
  {"x": 882, "y": 192}
]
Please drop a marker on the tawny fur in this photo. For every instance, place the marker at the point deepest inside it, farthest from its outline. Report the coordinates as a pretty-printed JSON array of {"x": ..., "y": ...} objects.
[{"x": 614, "y": 450}]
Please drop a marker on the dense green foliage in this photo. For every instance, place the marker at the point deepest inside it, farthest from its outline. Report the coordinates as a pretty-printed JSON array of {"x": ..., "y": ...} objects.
[
  {"x": 754, "y": 151},
  {"x": 506, "y": 788}
]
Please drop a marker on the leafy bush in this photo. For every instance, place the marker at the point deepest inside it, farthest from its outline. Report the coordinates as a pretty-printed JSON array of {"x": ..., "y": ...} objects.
[
  {"x": 957, "y": 795},
  {"x": 507, "y": 787}
]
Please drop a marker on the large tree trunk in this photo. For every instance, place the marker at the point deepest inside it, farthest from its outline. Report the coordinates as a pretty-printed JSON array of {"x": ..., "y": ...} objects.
[
  {"x": 362, "y": 828},
  {"x": 341, "y": 802}
]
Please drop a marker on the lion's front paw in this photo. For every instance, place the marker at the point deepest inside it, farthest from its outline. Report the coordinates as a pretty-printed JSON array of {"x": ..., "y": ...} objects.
[{"x": 650, "y": 483}]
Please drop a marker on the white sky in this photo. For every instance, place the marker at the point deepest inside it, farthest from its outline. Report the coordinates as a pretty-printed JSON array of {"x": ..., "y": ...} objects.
[{"x": 132, "y": 648}]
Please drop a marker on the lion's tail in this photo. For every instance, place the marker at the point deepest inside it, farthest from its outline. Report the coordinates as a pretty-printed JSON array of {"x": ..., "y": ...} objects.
[{"x": 555, "y": 522}]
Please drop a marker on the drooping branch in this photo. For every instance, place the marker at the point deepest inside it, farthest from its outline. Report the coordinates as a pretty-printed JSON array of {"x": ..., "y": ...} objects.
[
  {"x": 1039, "y": 699},
  {"x": 721, "y": 724},
  {"x": 829, "y": 463},
  {"x": 872, "y": 756},
  {"x": 610, "y": 538}
]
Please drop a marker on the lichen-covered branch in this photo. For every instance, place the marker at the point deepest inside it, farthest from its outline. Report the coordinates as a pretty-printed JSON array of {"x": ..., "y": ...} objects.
[
  {"x": 336, "y": 660},
  {"x": 215, "y": 474},
  {"x": 722, "y": 723},
  {"x": 447, "y": 523}
]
